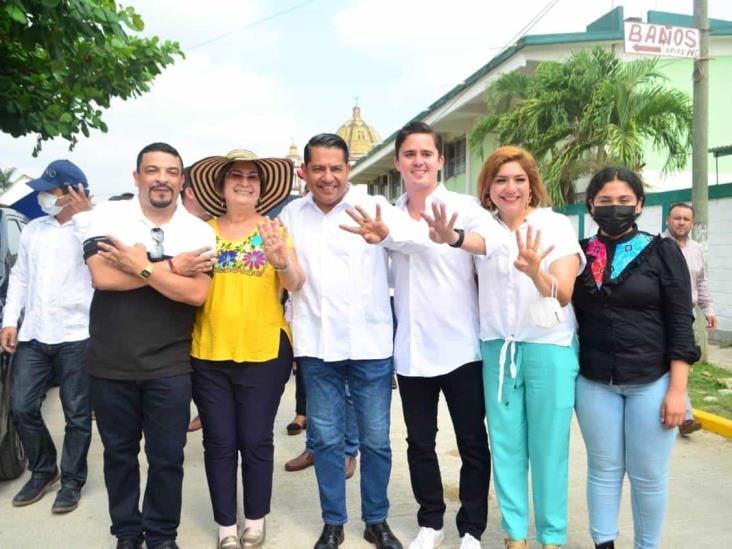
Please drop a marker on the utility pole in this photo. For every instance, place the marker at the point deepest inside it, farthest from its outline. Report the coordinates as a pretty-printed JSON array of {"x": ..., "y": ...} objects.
[
  {"x": 700, "y": 153},
  {"x": 700, "y": 126}
]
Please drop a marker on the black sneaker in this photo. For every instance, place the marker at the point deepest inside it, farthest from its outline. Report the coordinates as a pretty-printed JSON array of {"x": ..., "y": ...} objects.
[
  {"x": 331, "y": 537},
  {"x": 381, "y": 535},
  {"x": 34, "y": 489},
  {"x": 66, "y": 500}
]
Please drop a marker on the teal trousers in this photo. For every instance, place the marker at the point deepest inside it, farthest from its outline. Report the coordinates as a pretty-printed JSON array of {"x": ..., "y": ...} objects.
[{"x": 529, "y": 397}]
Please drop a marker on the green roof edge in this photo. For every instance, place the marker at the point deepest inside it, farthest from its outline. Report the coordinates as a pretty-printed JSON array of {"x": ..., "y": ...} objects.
[{"x": 606, "y": 28}]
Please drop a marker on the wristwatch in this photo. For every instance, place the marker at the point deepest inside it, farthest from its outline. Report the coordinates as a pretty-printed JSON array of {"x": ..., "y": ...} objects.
[
  {"x": 147, "y": 271},
  {"x": 461, "y": 238}
]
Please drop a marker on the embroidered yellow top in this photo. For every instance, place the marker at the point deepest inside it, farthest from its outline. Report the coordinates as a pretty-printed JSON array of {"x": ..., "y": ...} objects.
[{"x": 242, "y": 316}]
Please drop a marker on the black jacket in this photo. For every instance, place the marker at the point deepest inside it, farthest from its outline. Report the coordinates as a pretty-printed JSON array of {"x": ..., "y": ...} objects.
[{"x": 636, "y": 323}]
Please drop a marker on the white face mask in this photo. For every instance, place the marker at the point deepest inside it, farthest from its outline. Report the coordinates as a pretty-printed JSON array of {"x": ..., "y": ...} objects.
[
  {"x": 47, "y": 202},
  {"x": 547, "y": 311}
]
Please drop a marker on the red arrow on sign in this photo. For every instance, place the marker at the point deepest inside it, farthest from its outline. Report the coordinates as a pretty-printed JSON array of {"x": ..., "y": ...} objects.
[{"x": 655, "y": 49}]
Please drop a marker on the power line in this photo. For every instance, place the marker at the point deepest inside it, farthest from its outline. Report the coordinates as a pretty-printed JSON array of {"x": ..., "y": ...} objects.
[
  {"x": 538, "y": 16},
  {"x": 250, "y": 25},
  {"x": 532, "y": 23}
]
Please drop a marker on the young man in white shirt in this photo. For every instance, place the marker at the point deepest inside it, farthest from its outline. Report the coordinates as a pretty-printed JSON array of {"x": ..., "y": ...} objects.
[
  {"x": 51, "y": 284},
  {"x": 342, "y": 332},
  {"x": 437, "y": 347}
]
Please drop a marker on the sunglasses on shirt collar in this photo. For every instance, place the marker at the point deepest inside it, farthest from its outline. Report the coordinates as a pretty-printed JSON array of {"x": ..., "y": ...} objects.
[{"x": 158, "y": 237}]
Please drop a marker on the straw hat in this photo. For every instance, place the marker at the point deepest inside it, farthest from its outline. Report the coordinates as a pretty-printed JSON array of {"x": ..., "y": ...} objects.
[{"x": 276, "y": 174}]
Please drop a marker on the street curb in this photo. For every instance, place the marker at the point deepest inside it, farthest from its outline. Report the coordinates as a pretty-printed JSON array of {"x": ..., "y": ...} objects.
[{"x": 714, "y": 423}]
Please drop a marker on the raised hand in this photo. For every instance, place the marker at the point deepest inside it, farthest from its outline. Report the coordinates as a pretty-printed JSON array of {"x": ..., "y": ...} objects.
[
  {"x": 442, "y": 229},
  {"x": 77, "y": 200},
  {"x": 372, "y": 230},
  {"x": 274, "y": 237},
  {"x": 529, "y": 257}
]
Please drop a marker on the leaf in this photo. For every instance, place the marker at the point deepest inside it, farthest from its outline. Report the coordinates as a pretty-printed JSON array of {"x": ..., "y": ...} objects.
[{"x": 16, "y": 14}]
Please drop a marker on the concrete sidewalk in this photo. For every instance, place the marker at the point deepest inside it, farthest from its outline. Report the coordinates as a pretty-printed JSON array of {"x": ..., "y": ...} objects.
[{"x": 699, "y": 515}]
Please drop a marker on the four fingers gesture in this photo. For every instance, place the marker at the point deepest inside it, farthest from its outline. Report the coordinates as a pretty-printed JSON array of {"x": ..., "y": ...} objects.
[
  {"x": 373, "y": 230},
  {"x": 529, "y": 257},
  {"x": 274, "y": 238},
  {"x": 442, "y": 229}
]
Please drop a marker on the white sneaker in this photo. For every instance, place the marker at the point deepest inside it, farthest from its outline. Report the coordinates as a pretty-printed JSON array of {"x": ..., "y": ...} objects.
[
  {"x": 427, "y": 538},
  {"x": 469, "y": 542}
]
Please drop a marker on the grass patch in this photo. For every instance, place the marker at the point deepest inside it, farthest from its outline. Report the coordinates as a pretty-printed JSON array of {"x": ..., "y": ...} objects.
[{"x": 705, "y": 380}]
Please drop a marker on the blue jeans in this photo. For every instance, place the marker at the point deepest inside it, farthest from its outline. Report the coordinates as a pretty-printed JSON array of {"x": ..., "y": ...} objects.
[
  {"x": 36, "y": 365},
  {"x": 351, "y": 429},
  {"x": 623, "y": 434},
  {"x": 370, "y": 384},
  {"x": 125, "y": 410}
]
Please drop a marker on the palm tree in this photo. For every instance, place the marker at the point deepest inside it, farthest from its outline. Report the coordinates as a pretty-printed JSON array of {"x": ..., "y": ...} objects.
[
  {"x": 588, "y": 112},
  {"x": 6, "y": 179}
]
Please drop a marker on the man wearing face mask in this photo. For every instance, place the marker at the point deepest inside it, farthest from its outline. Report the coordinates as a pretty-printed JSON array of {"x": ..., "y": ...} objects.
[{"x": 51, "y": 284}]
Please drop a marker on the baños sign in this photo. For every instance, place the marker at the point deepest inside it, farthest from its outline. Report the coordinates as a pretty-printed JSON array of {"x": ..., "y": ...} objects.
[{"x": 661, "y": 40}]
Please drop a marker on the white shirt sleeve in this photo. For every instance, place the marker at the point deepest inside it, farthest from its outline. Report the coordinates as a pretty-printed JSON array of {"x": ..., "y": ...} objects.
[
  {"x": 98, "y": 223},
  {"x": 405, "y": 235},
  {"x": 481, "y": 221},
  {"x": 17, "y": 284}
]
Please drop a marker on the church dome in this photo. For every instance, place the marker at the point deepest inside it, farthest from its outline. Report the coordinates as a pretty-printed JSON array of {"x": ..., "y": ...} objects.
[{"x": 359, "y": 136}]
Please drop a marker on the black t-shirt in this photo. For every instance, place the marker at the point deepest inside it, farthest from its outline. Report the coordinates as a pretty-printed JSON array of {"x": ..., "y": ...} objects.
[{"x": 141, "y": 334}]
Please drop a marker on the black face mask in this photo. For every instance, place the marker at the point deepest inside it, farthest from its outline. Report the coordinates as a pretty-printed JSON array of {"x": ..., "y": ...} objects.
[{"x": 614, "y": 220}]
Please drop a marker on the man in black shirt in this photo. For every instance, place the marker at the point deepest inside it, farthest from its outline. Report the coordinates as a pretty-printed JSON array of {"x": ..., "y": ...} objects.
[{"x": 141, "y": 320}]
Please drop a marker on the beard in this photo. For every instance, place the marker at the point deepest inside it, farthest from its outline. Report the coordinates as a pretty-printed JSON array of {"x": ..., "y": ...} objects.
[{"x": 161, "y": 202}]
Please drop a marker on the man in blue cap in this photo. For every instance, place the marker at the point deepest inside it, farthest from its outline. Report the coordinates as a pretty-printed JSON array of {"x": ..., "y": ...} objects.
[{"x": 50, "y": 285}]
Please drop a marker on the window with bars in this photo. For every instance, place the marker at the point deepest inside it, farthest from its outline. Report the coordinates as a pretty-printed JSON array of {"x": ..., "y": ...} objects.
[{"x": 455, "y": 158}]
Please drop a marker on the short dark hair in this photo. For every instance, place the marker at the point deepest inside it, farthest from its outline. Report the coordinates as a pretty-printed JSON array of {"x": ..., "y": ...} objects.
[
  {"x": 158, "y": 147},
  {"x": 682, "y": 205},
  {"x": 327, "y": 140},
  {"x": 611, "y": 173},
  {"x": 123, "y": 196},
  {"x": 416, "y": 127}
]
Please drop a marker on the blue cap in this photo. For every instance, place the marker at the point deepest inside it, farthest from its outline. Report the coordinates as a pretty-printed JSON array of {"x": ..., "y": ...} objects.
[{"x": 59, "y": 173}]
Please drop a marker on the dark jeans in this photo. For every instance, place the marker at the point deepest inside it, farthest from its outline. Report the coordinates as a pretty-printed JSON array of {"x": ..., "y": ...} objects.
[
  {"x": 36, "y": 364},
  {"x": 238, "y": 402},
  {"x": 125, "y": 410},
  {"x": 463, "y": 390},
  {"x": 300, "y": 399}
]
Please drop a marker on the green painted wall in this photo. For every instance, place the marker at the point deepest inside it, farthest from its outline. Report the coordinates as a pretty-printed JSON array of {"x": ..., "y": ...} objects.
[
  {"x": 456, "y": 183},
  {"x": 679, "y": 73}
]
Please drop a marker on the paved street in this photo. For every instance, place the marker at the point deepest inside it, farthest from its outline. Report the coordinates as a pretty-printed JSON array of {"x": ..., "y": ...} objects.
[{"x": 699, "y": 516}]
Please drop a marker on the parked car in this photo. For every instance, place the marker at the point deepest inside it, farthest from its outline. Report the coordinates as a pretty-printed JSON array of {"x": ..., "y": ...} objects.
[{"x": 13, "y": 460}]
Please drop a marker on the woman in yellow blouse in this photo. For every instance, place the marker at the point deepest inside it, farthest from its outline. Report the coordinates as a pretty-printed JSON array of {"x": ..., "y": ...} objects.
[{"x": 242, "y": 352}]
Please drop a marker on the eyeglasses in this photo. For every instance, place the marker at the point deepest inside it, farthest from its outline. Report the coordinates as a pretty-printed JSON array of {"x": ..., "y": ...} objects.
[
  {"x": 158, "y": 237},
  {"x": 238, "y": 174}
]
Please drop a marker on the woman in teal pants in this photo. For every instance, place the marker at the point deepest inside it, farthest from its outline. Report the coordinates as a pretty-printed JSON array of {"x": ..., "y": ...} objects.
[{"x": 527, "y": 263}]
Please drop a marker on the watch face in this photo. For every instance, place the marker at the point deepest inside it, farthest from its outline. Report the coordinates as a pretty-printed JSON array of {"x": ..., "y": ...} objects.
[{"x": 146, "y": 272}]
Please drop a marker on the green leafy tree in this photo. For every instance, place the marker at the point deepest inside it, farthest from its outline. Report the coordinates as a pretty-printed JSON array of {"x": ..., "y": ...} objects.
[
  {"x": 6, "y": 178},
  {"x": 592, "y": 110},
  {"x": 62, "y": 61}
]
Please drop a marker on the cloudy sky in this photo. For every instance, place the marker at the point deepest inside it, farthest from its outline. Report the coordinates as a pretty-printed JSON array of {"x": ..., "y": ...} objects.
[{"x": 261, "y": 73}]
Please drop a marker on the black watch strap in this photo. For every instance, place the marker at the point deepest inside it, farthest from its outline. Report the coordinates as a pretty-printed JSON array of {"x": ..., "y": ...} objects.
[{"x": 461, "y": 238}]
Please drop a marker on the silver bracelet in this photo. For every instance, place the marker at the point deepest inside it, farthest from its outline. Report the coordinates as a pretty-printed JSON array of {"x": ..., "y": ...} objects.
[{"x": 283, "y": 269}]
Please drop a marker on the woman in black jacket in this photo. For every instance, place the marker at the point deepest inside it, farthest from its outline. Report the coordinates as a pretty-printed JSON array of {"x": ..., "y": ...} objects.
[{"x": 633, "y": 306}]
